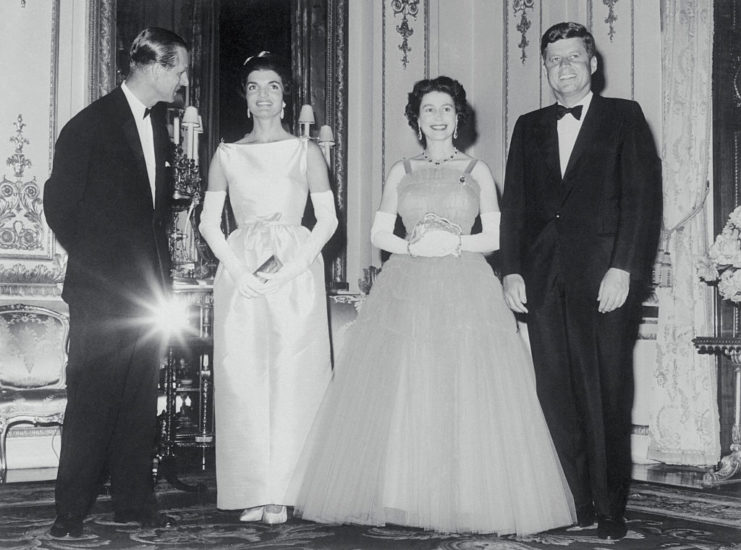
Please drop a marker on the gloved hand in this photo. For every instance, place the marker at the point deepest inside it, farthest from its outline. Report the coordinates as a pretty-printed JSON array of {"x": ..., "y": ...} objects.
[
  {"x": 436, "y": 244},
  {"x": 250, "y": 286},
  {"x": 289, "y": 271},
  {"x": 324, "y": 228},
  {"x": 247, "y": 284}
]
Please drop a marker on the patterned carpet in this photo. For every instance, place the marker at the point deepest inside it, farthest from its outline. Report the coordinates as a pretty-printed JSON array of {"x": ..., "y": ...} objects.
[{"x": 659, "y": 517}]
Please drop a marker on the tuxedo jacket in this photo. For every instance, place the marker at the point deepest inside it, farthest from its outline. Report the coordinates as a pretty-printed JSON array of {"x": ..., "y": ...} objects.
[
  {"x": 98, "y": 201},
  {"x": 604, "y": 212}
]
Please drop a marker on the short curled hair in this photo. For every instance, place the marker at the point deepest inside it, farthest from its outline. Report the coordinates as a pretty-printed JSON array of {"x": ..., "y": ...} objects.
[
  {"x": 568, "y": 29},
  {"x": 443, "y": 84},
  {"x": 155, "y": 45},
  {"x": 266, "y": 61}
]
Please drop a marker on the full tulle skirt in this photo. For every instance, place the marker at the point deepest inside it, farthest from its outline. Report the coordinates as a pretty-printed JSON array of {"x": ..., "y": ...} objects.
[{"x": 432, "y": 419}]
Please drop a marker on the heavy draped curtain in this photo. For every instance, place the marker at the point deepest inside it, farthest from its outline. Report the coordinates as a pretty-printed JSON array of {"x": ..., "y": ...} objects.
[{"x": 684, "y": 426}]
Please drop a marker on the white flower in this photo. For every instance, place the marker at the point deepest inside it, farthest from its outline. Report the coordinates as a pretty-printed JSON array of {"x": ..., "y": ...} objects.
[
  {"x": 729, "y": 285},
  {"x": 722, "y": 263},
  {"x": 726, "y": 250},
  {"x": 707, "y": 270},
  {"x": 735, "y": 217}
]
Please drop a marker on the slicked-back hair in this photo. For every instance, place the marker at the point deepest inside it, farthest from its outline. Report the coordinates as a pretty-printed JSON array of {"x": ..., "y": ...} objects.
[
  {"x": 568, "y": 29},
  {"x": 266, "y": 61},
  {"x": 155, "y": 45},
  {"x": 443, "y": 84}
]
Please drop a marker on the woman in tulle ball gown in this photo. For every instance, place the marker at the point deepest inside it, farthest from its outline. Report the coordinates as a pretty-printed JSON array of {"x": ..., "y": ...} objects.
[
  {"x": 431, "y": 419},
  {"x": 271, "y": 337}
]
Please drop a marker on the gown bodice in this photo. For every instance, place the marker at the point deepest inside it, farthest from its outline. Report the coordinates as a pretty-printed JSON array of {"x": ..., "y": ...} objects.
[
  {"x": 267, "y": 181},
  {"x": 448, "y": 192}
]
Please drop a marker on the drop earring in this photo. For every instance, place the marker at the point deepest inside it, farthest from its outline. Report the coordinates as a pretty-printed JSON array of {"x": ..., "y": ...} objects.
[
  {"x": 455, "y": 131},
  {"x": 419, "y": 133},
  {"x": 283, "y": 110},
  {"x": 249, "y": 114}
]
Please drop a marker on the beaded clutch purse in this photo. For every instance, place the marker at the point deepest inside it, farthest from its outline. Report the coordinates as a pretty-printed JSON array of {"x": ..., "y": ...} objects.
[{"x": 433, "y": 222}]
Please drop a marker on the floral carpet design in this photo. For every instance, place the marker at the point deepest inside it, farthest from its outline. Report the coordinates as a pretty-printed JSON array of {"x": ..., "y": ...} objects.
[{"x": 658, "y": 517}]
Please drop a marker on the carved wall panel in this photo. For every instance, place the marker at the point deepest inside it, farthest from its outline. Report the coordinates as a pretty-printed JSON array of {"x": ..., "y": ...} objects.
[{"x": 29, "y": 261}]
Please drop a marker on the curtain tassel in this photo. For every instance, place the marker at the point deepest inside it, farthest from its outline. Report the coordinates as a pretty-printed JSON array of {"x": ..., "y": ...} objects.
[{"x": 662, "y": 274}]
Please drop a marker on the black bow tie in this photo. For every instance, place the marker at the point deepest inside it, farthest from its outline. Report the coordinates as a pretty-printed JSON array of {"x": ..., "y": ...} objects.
[
  {"x": 147, "y": 110},
  {"x": 575, "y": 111}
]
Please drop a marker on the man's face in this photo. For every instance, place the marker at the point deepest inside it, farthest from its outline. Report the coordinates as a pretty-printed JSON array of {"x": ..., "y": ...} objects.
[
  {"x": 569, "y": 69},
  {"x": 168, "y": 80}
]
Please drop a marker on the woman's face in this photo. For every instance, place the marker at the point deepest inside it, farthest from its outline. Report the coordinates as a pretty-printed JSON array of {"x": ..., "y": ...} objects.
[
  {"x": 264, "y": 91},
  {"x": 437, "y": 116}
]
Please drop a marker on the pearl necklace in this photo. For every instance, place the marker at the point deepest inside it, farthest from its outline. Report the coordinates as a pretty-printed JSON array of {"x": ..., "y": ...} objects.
[{"x": 441, "y": 161}]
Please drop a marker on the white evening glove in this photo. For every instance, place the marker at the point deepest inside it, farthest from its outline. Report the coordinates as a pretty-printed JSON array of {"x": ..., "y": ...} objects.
[
  {"x": 488, "y": 239},
  {"x": 436, "y": 243},
  {"x": 210, "y": 227},
  {"x": 382, "y": 234},
  {"x": 324, "y": 228}
]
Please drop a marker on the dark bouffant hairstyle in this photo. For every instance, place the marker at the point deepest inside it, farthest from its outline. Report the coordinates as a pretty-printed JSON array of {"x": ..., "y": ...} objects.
[
  {"x": 155, "y": 45},
  {"x": 559, "y": 31},
  {"x": 443, "y": 84},
  {"x": 266, "y": 61}
]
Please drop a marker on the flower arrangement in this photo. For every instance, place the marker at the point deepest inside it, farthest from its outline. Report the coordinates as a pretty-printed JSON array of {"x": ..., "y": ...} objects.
[{"x": 722, "y": 263}]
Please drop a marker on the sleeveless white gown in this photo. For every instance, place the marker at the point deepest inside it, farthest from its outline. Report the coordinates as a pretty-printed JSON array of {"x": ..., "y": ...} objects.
[{"x": 271, "y": 354}]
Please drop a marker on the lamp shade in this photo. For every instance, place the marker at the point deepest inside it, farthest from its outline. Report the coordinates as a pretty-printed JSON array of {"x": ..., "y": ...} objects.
[
  {"x": 190, "y": 116},
  {"x": 306, "y": 116},
  {"x": 325, "y": 134}
]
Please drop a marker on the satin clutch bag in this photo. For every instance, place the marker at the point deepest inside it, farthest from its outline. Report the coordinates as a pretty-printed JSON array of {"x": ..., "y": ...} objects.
[{"x": 271, "y": 265}]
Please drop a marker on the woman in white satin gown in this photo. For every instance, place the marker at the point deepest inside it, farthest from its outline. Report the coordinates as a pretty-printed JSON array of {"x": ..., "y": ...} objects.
[{"x": 271, "y": 339}]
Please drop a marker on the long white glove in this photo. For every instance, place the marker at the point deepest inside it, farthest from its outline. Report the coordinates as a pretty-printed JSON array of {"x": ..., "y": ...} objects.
[
  {"x": 210, "y": 227},
  {"x": 436, "y": 243},
  {"x": 382, "y": 234},
  {"x": 488, "y": 239},
  {"x": 324, "y": 228}
]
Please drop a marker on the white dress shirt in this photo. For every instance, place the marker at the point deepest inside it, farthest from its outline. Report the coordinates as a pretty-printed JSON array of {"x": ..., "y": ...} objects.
[
  {"x": 146, "y": 135},
  {"x": 568, "y": 131}
]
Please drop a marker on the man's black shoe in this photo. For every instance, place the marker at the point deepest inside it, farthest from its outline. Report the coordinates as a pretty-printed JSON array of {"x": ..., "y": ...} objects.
[
  {"x": 585, "y": 515},
  {"x": 144, "y": 519},
  {"x": 66, "y": 525},
  {"x": 611, "y": 528}
]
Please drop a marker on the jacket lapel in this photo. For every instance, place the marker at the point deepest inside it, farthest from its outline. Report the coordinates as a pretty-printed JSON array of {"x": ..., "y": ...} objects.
[
  {"x": 161, "y": 153},
  {"x": 546, "y": 136},
  {"x": 131, "y": 134},
  {"x": 593, "y": 120}
]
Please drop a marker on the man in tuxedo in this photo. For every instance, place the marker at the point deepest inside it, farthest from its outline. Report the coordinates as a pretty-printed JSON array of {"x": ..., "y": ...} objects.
[
  {"x": 107, "y": 203},
  {"x": 580, "y": 219}
]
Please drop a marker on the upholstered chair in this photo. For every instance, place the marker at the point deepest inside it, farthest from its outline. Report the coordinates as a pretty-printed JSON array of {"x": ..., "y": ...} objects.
[{"x": 33, "y": 358}]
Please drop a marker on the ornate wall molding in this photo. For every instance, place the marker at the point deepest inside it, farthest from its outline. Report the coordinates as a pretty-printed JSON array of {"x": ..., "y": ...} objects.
[
  {"x": 611, "y": 17},
  {"x": 23, "y": 232},
  {"x": 102, "y": 50},
  {"x": 336, "y": 109},
  {"x": 520, "y": 7},
  {"x": 407, "y": 9},
  {"x": 41, "y": 280},
  {"x": 27, "y": 246}
]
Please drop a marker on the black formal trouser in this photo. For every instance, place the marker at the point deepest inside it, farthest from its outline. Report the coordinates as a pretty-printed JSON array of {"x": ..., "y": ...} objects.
[
  {"x": 110, "y": 422},
  {"x": 584, "y": 372}
]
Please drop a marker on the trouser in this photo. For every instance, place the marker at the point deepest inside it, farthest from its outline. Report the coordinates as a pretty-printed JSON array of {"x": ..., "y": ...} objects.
[
  {"x": 110, "y": 423},
  {"x": 584, "y": 372}
]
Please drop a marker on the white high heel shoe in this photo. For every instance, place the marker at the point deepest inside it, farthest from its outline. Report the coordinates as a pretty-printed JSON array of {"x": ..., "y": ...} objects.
[
  {"x": 252, "y": 514},
  {"x": 274, "y": 513}
]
